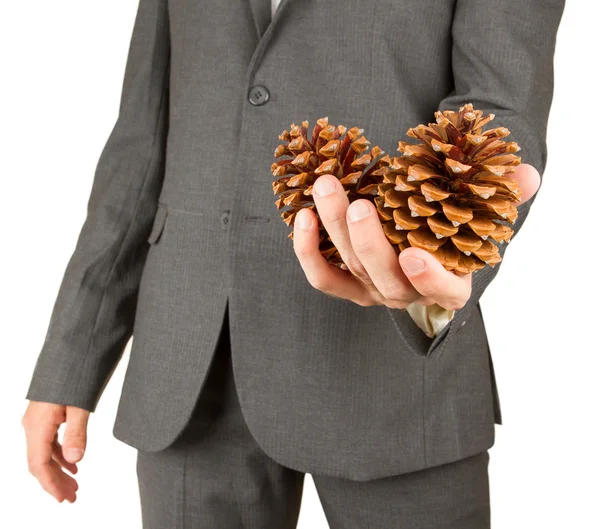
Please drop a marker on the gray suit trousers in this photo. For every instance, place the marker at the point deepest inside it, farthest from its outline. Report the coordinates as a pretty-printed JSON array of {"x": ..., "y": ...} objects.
[{"x": 215, "y": 476}]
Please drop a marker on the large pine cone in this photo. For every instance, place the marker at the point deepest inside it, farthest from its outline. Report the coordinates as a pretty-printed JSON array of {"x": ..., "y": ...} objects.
[
  {"x": 451, "y": 193},
  {"x": 333, "y": 150}
]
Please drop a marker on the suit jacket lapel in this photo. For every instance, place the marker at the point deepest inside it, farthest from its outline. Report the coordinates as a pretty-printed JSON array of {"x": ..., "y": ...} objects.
[{"x": 261, "y": 13}]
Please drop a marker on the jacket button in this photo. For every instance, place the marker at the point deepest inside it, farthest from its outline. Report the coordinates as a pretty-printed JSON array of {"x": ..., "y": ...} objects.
[
  {"x": 225, "y": 219},
  {"x": 258, "y": 95}
]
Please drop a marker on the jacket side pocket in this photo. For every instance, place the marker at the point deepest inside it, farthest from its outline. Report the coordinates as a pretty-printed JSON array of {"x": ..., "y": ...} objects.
[{"x": 413, "y": 336}]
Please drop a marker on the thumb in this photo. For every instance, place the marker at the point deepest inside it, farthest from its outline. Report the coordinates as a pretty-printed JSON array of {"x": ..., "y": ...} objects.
[
  {"x": 528, "y": 178},
  {"x": 75, "y": 439},
  {"x": 432, "y": 280}
]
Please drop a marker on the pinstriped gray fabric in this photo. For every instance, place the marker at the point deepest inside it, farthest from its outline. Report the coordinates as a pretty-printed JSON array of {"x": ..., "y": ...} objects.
[
  {"x": 451, "y": 496},
  {"x": 170, "y": 358},
  {"x": 216, "y": 476},
  {"x": 325, "y": 386}
]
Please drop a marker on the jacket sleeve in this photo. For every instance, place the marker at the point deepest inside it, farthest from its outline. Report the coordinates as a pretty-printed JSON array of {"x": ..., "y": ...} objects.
[
  {"x": 92, "y": 317},
  {"x": 502, "y": 62}
]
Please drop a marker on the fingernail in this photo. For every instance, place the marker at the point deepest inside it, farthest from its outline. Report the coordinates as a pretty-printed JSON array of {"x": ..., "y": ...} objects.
[
  {"x": 358, "y": 211},
  {"x": 412, "y": 266},
  {"x": 303, "y": 221},
  {"x": 73, "y": 454},
  {"x": 324, "y": 187}
]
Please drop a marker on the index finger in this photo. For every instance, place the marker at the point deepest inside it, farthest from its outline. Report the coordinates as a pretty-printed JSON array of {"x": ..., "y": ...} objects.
[{"x": 320, "y": 274}]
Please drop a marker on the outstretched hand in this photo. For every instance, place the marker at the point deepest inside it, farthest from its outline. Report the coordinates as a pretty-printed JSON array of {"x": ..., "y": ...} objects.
[{"x": 376, "y": 275}]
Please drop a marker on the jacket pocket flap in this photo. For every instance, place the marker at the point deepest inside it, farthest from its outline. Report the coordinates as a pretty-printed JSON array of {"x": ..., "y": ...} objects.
[{"x": 158, "y": 224}]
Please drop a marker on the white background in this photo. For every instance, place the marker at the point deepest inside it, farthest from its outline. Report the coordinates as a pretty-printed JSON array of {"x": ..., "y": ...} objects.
[{"x": 62, "y": 68}]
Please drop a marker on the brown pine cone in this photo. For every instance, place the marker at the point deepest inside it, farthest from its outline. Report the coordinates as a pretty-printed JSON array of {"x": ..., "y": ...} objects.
[
  {"x": 452, "y": 193},
  {"x": 343, "y": 153}
]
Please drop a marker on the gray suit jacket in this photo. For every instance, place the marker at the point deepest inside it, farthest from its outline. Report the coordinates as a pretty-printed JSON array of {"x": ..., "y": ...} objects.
[{"x": 181, "y": 221}]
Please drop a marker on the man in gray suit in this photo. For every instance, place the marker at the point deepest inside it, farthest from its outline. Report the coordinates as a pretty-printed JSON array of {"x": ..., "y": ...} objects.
[{"x": 183, "y": 249}]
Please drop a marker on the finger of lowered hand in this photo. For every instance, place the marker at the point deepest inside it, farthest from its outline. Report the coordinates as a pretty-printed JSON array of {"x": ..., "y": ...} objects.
[
  {"x": 40, "y": 462},
  {"x": 320, "y": 274},
  {"x": 56, "y": 482},
  {"x": 68, "y": 484},
  {"x": 377, "y": 255},
  {"x": 432, "y": 280},
  {"x": 75, "y": 439},
  {"x": 57, "y": 455}
]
